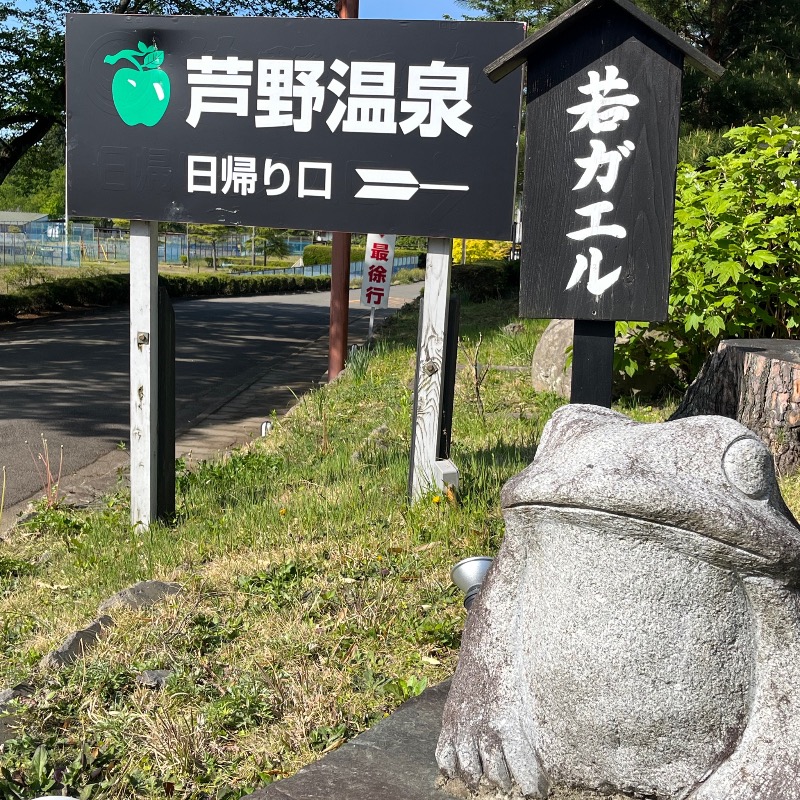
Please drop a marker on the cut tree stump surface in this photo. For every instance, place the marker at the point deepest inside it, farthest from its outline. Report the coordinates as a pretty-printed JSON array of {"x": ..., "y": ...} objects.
[{"x": 757, "y": 382}]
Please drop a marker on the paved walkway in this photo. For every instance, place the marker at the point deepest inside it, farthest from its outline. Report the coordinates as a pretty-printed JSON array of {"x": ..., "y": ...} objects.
[{"x": 236, "y": 420}]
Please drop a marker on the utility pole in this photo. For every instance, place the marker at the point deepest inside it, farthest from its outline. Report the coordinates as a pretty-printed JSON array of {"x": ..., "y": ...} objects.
[{"x": 340, "y": 264}]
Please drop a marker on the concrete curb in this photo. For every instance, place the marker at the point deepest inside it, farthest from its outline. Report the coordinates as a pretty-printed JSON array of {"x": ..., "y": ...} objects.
[{"x": 393, "y": 760}]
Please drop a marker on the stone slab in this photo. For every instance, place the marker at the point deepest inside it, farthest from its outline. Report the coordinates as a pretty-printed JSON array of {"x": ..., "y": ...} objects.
[
  {"x": 140, "y": 595},
  {"x": 549, "y": 370},
  {"x": 76, "y": 644},
  {"x": 394, "y": 760},
  {"x": 8, "y": 720}
]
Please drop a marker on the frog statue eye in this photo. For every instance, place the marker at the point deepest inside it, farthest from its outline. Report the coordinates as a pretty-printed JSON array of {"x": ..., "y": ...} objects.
[{"x": 748, "y": 466}]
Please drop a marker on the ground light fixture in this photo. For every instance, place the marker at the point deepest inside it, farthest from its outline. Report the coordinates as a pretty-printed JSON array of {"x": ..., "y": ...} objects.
[{"x": 468, "y": 575}]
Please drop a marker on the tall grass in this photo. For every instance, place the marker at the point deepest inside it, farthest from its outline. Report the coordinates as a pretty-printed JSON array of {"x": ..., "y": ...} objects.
[{"x": 315, "y": 597}]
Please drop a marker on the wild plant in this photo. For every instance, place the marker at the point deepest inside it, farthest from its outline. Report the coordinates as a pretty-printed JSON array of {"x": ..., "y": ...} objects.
[
  {"x": 44, "y": 467},
  {"x": 3, "y": 496},
  {"x": 478, "y": 372}
]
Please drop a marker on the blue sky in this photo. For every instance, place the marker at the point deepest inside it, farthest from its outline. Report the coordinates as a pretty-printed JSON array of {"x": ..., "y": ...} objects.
[{"x": 410, "y": 9}]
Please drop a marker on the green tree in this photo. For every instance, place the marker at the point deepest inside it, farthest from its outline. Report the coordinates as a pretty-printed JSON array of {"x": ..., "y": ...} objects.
[
  {"x": 268, "y": 242},
  {"x": 211, "y": 234},
  {"x": 535, "y": 12},
  {"x": 757, "y": 42},
  {"x": 275, "y": 245},
  {"x": 32, "y": 87},
  {"x": 37, "y": 181}
]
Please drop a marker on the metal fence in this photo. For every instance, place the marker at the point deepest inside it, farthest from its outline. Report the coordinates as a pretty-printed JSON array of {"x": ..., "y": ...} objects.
[
  {"x": 46, "y": 245},
  {"x": 356, "y": 268}
]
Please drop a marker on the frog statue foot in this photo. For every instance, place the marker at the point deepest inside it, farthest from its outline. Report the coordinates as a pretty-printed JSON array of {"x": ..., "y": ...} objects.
[{"x": 639, "y": 631}]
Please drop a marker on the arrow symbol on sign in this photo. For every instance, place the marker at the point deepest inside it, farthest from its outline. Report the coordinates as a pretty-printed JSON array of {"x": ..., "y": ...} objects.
[{"x": 397, "y": 184}]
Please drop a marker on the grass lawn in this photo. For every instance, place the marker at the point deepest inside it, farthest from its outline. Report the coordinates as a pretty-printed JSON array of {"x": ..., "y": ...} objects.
[{"x": 316, "y": 599}]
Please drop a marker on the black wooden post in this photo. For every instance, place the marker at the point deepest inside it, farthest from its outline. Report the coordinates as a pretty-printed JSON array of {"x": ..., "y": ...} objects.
[
  {"x": 449, "y": 381},
  {"x": 415, "y": 406},
  {"x": 592, "y": 362},
  {"x": 165, "y": 459}
]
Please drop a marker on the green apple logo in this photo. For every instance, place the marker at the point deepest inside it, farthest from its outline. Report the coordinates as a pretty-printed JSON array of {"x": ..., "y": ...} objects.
[{"x": 140, "y": 95}]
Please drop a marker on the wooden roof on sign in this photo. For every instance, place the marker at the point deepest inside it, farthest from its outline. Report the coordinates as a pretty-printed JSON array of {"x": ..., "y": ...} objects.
[{"x": 560, "y": 26}]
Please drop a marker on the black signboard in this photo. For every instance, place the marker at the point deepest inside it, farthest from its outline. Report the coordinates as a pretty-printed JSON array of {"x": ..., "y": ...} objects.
[
  {"x": 320, "y": 124},
  {"x": 604, "y": 87}
]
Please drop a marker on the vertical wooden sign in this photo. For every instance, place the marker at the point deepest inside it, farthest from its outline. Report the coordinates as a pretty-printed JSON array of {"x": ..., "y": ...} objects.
[
  {"x": 604, "y": 90},
  {"x": 600, "y": 176}
]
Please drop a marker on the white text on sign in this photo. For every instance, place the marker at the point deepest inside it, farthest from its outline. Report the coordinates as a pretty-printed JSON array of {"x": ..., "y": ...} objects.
[
  {"x": 291, "y": 93},
  {"x": 601, "y": 113}
]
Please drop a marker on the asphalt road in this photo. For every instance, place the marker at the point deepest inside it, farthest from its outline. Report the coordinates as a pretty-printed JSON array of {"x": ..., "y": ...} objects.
[{"x": 66, "y": 379}]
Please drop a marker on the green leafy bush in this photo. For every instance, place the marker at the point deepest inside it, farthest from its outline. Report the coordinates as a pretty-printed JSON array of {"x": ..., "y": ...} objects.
[
  {"x": 408, "y": 275},
  {"x": 24, "y": 275},
  {"x": 484, "y": 280},
  {"x": 113, "y": 289},
  {"x": 223, "y": 285},
  {"x": 736, "y": 255},
  {"x": 315, "y": 254},
  {"x": 89, "y": 270}
]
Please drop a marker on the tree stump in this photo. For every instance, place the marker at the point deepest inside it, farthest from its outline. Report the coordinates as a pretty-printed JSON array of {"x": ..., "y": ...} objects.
[{"x": 757, "y": 382}]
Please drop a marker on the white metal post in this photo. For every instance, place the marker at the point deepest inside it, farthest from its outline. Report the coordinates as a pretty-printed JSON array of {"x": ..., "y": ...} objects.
[
  {"x": 430, "y": 367},
  {"x": 144, "y": 371}
]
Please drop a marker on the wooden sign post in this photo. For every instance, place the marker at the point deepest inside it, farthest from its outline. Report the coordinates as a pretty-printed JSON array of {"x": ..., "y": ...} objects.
[
  {"x": 376, "y": 121},
  {"x": 144, "y": 372},
  {"x": 604, "y": 88},
  {"x": 426, "y": 471}
]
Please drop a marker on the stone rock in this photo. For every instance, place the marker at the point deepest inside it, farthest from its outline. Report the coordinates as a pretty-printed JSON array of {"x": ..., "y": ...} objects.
[
  {"x": 513, "y": 328},
  {"x": 8, "y": 720},
  {"x": 154, "y": 678},
  {"x": 76, "y": 644},
  {"x": 140, "y": 595},
  {"x": 549, "y": 372},
  {"x": 7, "y": 695},
  {"x": 639, "y": 631}
]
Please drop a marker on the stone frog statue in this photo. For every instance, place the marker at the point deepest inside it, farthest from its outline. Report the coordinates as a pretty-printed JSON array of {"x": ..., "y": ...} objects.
[{"x": 639, "y": 631}]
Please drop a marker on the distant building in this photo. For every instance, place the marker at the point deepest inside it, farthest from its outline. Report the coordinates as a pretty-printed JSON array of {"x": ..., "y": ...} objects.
[{"x": 22, "y": 221}]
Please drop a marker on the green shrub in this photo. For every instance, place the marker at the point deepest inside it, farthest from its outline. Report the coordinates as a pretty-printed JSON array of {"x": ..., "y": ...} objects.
[
  {"x": 485, "y": 280},
  {"x": 24, "y": 275},
  {"x": 409, "y": 276},
  {"x": 114, "y": 289},
  {"x": 87, "y": 270},
  {"x": 225, "y": 285},
  {"x": 315, "y": 254},
  {"x": 736, "y": 254},
  {"x": 10, "y": 306},
  {"x": 237, "y": 269}
]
